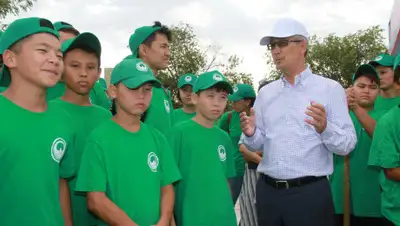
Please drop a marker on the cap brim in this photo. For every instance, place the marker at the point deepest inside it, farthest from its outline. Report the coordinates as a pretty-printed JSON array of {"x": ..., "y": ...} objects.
[
  {"x": 184, "y": 84},
  {"x": 224, "y": 84},
  {"x": 234, "y": 97},
  {"x": 85, "y": 39},
  {"x": 266, "y": 40},
  {"x": 136, "y": 82}
]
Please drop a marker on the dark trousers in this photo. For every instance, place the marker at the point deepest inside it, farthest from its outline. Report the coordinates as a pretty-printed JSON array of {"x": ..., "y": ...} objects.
[
  {"x": 307, "y": 205},
  {"x": 363, "y": 221},
  {"x": 236, "y": 187}
]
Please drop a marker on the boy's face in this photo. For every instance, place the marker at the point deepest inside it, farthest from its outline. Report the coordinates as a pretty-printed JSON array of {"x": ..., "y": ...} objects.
[
  {"x": 185, "y": 93},
  {"x": 64, "y": 35},
  {"x": 81, "y": 71},
  {"x": 132, "y": 101},
  {"x": 37, "y": 59},
  {"x": 366, "y": 91},
  {"x": 211, "y": 103},
  {"x": 387, "y": 77}
]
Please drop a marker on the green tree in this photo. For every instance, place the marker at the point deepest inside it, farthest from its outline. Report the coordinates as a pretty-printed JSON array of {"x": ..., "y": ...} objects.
[
  {"x": 338, "y": 57},
  {"x": 188, "y": 57},
  {"x": 14, "y": 7}
]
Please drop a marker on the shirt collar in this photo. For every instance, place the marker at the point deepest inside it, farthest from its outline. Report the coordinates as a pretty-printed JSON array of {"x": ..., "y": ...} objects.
[{"x": 300, "y": 79}]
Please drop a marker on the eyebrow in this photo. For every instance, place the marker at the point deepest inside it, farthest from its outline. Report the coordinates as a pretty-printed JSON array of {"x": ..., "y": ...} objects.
[{"x": 49, "y": 46}]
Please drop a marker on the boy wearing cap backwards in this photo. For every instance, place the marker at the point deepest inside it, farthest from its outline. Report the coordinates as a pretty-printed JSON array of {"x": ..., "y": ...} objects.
[
  {"x": 128, "y": 176},
  {"x": 33, "y": 160},
  {"x": 389, "y": 83},
  {"x": 188, "y": 110},
  {"x": 385, "y": 153},
  {"x": 364, "y": 179},
  {"x": 151, "y": 44},
  {"x": 243, "y": 98},
  {"x": 205, "y": 158},
  {"x": 81, "y": 72}
]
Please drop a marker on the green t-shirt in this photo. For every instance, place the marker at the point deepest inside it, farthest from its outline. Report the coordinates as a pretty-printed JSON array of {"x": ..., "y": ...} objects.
[
  {"x": 386, "y": 103},
  {"x": 130, "y": 168},
  {"x": 204, "y": 156},
  {"x": 159, "y": 114},
  {"x": 234, "y": 133},
  {"x": 180, "y": 116},
  {"x": 97, "y": 94},
  {"x": 385, "y": 153},
  {"x": 83, "y": 119},
  {"x": 364, "y": 180},
  {"x": 36, "y": 149}
]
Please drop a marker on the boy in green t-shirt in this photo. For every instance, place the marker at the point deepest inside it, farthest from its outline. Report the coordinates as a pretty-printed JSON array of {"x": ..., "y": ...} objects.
[
  {"x": 364, "y": 189},
  {"x": 188, "y": 110},
  {"x": 205, "y": 158},
  {"x": 81, "y": 72},
  {"x": 35, "y": 145},
  {"x": 389, "y": 83},
  {"x": 128, "y": 167}
]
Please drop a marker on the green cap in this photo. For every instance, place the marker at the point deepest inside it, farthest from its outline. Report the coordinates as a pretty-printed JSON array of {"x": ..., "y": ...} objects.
[
  {"x": 18, "y": 30},
  {"x": 210, "y": 79},
  {"x": 242, "y": 91},
  {"x": 133, "y": 73},
  {"x": 187, "y": 79},
  {"x": 365, "y": 69},
  {"x": 83, "y": 40},
  {"x": 59, "y": 25},
  {"x": 102, "y": 82},
  {"x": 383, "y": 59},
  {"x": 140, "y": 36}
]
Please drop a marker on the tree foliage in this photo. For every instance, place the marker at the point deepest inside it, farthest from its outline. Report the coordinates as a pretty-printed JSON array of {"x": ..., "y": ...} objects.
[
  {"x": 187, "y": 56},
  {"x": 338, "y": 57},
  {"x": 14, "y": 7}
]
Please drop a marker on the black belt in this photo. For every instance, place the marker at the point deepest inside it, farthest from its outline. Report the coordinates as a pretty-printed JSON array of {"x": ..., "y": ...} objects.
[{"x": 291, "y": 183}]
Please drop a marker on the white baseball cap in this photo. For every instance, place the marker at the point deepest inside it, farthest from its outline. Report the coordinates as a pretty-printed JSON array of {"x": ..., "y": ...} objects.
[{"x": 283, "y": 28}]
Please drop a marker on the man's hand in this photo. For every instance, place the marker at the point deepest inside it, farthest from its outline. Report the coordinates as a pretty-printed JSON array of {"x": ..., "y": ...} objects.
[
  {"x": 318, "y": 114},
  {"x": 260, "y": 153},
  {"x": 247, "y": 123},
  {"x": 351, "y": 98}
]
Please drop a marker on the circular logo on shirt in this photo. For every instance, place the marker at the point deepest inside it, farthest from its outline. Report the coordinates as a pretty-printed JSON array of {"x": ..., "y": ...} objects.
[
  {"x": 221, "y": 152},
  {"x": 167, "y": 107},
  {"x": 235, "y": 89},
  {"x": 188, "y": 78},
  {"x": 378, "y": 58},
  {"x": 142, "y": 67},
  {"x": 217, "y": 77},
  {"x": 58, "y": 149},
  {"x": 152, "y": 161}
]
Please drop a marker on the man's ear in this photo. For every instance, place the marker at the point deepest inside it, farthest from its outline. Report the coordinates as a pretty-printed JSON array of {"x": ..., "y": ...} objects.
[
  {"x": 9, "y": 59},
  {"x": 142, "y": 51}
]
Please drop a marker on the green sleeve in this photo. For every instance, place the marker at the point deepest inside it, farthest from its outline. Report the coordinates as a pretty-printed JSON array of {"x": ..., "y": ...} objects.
[
  {"x": 223, "y": 122},
  {"x": 230, "y": 159},
  {"x": 385, "y": 145},
  {"x": 92, "y": 173},
  {"x": 169, "y": 169},
  {"x": 67, "y": 164}
]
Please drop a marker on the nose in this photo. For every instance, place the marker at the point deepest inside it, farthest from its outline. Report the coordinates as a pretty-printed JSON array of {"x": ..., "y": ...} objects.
[
  {"x": 167, "y": 52},
  {"x": 83, "y": 72}
]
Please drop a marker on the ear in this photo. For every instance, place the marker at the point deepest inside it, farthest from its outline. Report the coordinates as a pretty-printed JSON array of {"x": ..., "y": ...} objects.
[
  {"x": 112, "y": 91},
  {"x": 9, "y": 59},
  {"x": 195, "y": 98},
  {"x": 247, "y": 102},
  {"x": 142, "y": 50}
]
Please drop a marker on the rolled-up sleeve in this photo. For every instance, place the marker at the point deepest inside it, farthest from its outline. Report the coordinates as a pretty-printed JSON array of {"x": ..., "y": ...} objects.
[
  {"x": 257, "y": 140},
  {"x": 339, "y": 137}
]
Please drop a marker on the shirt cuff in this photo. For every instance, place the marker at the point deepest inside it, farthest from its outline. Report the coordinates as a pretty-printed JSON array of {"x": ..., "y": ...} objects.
[
  {"x": 250, "y": 141},
  {"x": 329, "y": 132}
]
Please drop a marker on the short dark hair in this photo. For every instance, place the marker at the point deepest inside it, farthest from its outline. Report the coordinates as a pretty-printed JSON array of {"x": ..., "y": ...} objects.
[
  {"x": 87, "y": 49},
  {"x": 219, "y": 87},
  {"x": 70, "y": 30},
  {"x": 164, "y": 30},
  {"x": 370, "y": 76},
  {"x": 252, "y": 100},
  {"x": 396, "y": 75},
  {"x": 263, "y": 83}
]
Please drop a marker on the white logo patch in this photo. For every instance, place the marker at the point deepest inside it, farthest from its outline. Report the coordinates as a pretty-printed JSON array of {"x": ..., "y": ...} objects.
[
  {"x": 378, "y": 58},
  {"x": 221, "y": 152},
  {"x": 152, "y": 161},
  {"x": 188, "y": 78},
  {"x": 142, "y": 67},
  {"x": 217, "y": 77},
  {"x": 167, "y": 107},
  {"x": 235, "y": 89},
  {"x": 58, "y": 149}
]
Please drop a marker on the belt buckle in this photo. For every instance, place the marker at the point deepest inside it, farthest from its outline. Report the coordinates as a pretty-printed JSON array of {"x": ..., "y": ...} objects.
[{"x": 285, "y": 182}]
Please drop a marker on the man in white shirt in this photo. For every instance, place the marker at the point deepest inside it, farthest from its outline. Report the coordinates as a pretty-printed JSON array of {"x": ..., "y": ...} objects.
[{"x": 301, "y": 120}]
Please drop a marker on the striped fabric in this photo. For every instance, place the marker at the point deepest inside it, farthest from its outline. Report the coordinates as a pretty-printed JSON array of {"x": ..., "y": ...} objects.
[{"x": 247, "y": 198}]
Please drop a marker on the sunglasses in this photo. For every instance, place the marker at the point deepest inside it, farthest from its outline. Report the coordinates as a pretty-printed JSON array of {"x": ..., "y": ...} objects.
[{"x": 281, "y": 43}]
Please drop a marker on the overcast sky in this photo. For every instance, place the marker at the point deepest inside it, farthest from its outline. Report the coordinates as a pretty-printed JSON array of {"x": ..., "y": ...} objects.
[{"x": 236, "y": 25}]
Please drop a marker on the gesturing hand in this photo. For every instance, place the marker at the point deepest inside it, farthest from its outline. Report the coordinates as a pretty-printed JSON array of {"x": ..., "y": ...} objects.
[
  {"x": 317, "y": 113},
  {"x": 248, "y": 123},
  {"x": 351, "y": 98}
]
